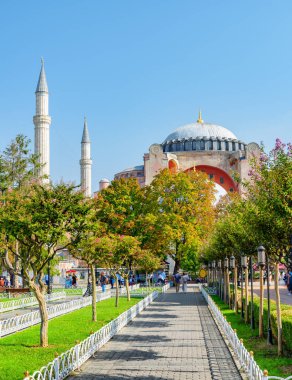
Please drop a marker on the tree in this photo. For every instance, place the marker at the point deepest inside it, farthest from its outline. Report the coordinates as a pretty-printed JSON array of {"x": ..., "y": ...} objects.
[
  {"x": 128, "y": 253},
  {"x": 270, "y": 190},
  {"x": 178, "y": 213},
  {"x": 17, "y": 164},
  {"x": 90, "y": 248},
  {"x": 44, "y": 220},
  {"x": 119, "y": 206},
  {"x": 17, "y": 168},
  {"x": 148, "y": 262}
]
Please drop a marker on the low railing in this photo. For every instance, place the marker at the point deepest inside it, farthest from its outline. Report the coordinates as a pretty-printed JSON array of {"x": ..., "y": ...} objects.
[
  {"x": 11, "y": 325},
  {"x": 245, "y": 358},
  {"x": 28, "y": 301},
  {"x": 72, "y": 291},
  {"x": 72, "y": 359},
  {"x": 123, "y": 290}
]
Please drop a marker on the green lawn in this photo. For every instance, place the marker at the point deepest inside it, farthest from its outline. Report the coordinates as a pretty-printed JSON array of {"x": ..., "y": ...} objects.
[
  {"x": 20, "y": 352},
  {"x": 5, "y": 299},
  {"x": 265, "y": 355}
]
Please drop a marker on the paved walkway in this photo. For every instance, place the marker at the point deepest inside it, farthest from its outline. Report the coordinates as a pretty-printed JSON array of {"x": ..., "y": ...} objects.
[
  {"x": 284, "y": 295},
  {"x": 175, "y": 338}
]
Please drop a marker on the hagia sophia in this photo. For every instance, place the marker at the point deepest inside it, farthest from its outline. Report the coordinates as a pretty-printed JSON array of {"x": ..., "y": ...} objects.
[
  {"x": 202, "y": 146},
  {"x": 196, "y": 146}
]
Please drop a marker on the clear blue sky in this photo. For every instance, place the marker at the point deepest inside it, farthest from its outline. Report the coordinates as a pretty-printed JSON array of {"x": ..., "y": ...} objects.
[{"x": 140, "y": 69}]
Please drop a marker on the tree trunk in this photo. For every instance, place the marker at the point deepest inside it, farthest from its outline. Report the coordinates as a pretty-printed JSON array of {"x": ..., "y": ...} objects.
[
  {"x": 278, "y": 303},
  {"x": 261, "y": 309},
  {"x": 225, "y": 286},
  {"x": 127, "y": 288},
  {"x": 16, "y": 267},
  {"x": 235, "y": 291},
  {"x": 117, "y": 292},
  {"x": 93, "y": 302},
  {"x": 176, "y": 266},
  {"x": 246, "y": 296},
  {"x": 44, "y": 340}
]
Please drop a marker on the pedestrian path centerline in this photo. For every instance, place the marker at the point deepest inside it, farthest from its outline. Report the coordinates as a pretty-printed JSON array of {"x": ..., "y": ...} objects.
[{"x": 171, "y": 340}]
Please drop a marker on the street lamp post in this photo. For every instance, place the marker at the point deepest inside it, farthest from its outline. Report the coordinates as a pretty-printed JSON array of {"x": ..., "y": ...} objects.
[
  {"x": 226, "y": 282},
  {"x": 220, "y": 278},
  {"x": 243, "y": 263},
  {"x": 210, "y": 274},
  {"x": 232, "y": 267},
  {"x": 214, "y": 273},
  {"x": 261, "y": 263},
  {"x": 252, "y": 321}
]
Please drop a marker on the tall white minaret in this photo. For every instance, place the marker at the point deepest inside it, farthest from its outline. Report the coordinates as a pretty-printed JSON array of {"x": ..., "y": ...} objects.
[
  {"x": 42, "y": 122},
  {"x": 85, "y": 162}
]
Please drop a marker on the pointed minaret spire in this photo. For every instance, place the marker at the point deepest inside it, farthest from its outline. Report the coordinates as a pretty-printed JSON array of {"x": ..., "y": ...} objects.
[
  {"x": 42, "y": 83},
  {"x": 85, "y": 135},
  {"x": 200, "y": 120},
  {"x": 42, "y": 122},
  {"x": 85, "y": 162}
]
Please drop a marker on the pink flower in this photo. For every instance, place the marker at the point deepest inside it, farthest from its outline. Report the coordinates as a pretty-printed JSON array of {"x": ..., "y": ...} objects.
[{"x": 279, "y": 145}]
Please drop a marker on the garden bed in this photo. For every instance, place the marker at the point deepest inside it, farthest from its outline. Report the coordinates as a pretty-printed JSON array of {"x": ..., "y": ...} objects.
[{"x": 265, "y": 355}]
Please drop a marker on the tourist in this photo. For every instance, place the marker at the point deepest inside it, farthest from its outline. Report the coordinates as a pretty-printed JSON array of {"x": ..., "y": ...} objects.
[
  {"x": 112, "y": 281},
  {"x": 103, "y": 281},
  {"x": 74, "y": 281},
  {"x": 176, "y": 280},
  {"x": 185, "y": 278},
  {"x": 161, "y": 278},
  {"x": 290, "y": 284}
]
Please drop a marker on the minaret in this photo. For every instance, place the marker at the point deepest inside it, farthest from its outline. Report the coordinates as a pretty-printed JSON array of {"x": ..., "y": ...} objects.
[
  {"x": 85, "y": 162},
  {"x": 42, "y": 122}
]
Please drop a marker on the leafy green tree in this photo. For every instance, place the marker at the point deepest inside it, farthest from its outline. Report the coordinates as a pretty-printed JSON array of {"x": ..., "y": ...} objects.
[
  {"x": 44, "y": 220},
  {"x": 270, "y": 190},
  {"x": 91, "y": 248},
  {"x": 119, "y": 206},
  {"x": 17, "y": 164},
  {"x": 17, "y": 168},
  {"x": 178, "y": 214}
]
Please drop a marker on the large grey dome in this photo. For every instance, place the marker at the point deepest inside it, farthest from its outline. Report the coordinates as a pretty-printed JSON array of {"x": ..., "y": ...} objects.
[
  {"x": 202, "y": 136},
  {"x": 195, "y": 130}
]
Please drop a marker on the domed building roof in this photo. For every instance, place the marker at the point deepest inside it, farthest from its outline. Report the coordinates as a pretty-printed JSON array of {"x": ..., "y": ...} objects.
[
  {"x": 200, "y": 129},
  {"x": 201, "y": 136}
]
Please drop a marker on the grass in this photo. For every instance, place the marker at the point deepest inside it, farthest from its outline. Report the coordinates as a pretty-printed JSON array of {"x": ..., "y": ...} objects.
[
  {"x": 20, "y": 352},
  {"x": 265, "y": 355},
  {"x": 6, "y": 299}
]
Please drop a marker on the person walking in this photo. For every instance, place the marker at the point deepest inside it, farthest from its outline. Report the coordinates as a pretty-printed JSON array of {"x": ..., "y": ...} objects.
[
  {"x": 176, "y": 280},
  {"x": 74, "y": 281},
  {"x": 185, "y": 278},
  {"x": 103, "y": 281},
  {"x": 290, "y": 284}
]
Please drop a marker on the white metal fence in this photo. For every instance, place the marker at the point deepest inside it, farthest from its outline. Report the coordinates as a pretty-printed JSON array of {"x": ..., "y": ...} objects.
[
  {"x": 245, "y": 358},
  {"x": 24, "y": 321},
  {"x": 28, "y": 301},
  {"x": 72, "y": 359}
]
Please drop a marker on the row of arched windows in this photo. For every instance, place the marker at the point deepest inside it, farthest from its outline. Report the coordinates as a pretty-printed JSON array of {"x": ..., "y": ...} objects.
[{"x": 203, "y": 144}]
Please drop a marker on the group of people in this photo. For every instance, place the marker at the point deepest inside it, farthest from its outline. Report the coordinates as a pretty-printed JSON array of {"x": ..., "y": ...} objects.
[
  {"x": 70, "y": 281},
  {"x": 288, "y": 281},
  {"x": 4, "y": 281},
  {"x": 181, "y": 280}
]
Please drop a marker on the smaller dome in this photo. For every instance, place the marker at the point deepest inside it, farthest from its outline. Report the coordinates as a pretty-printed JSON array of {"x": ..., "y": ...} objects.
[{"x": 104, "y": 180}]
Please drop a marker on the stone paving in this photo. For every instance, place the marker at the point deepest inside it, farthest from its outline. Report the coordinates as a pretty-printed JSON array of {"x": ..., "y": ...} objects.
[{"x": 175, "y": 338}]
